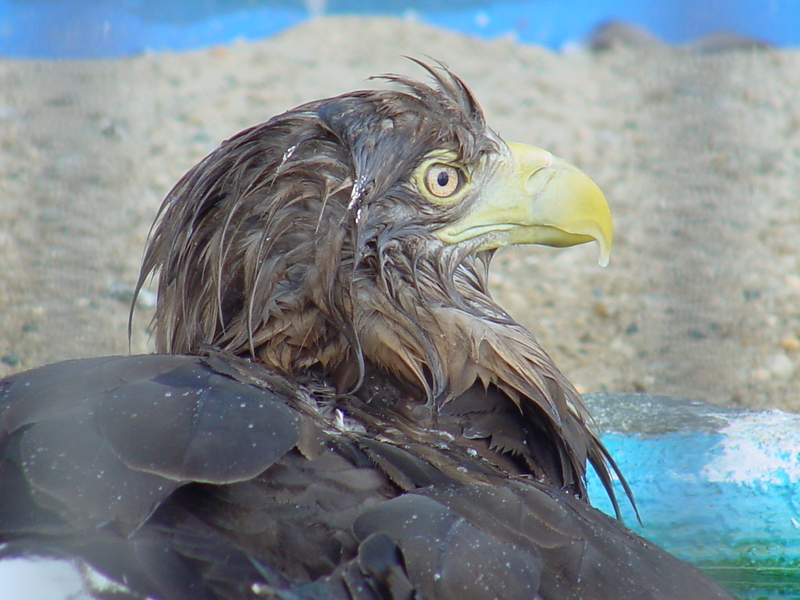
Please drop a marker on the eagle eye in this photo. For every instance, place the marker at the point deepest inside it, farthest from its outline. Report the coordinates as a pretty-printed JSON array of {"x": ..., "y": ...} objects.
[{"x": 443, "y": 180}]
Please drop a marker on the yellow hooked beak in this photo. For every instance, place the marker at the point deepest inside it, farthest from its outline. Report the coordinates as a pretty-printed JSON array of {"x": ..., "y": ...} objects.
[{"x": 533, "y": 197}]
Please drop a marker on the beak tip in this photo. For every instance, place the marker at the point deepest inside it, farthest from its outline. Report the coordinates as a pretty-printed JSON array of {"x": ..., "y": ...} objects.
[{"x": 605, "y": 251}]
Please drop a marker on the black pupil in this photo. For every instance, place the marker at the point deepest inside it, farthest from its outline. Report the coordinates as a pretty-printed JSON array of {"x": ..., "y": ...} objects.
[{"x": 442, "y": 178}]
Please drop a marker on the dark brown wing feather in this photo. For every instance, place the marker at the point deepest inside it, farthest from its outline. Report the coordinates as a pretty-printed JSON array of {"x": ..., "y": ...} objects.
[{"x": 128, "y": 431}]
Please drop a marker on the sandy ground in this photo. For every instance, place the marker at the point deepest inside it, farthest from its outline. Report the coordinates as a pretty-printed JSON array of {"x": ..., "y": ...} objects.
[{"x": 698, "y": 155}]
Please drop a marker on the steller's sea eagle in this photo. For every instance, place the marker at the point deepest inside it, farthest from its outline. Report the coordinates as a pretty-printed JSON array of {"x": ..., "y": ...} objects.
[{"x": 338, "y": 409}]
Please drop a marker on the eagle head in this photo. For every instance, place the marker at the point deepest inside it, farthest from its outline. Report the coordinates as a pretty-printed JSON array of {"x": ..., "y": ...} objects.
[{"x": 354, "y": 233}]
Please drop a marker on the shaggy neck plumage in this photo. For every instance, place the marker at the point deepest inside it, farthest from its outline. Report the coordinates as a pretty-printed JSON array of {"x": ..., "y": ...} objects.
[
  {"x": 433, "y": 322},
  {"x": 429, "y": 323}
]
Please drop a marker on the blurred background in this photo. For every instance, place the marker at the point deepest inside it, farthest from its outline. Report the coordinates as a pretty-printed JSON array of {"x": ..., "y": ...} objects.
[{"x": 106, "y": 28}]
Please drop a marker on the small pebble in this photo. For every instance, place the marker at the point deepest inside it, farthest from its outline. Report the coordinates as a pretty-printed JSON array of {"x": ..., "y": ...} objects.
[
  {"x": 12, "y": 359},
  {"x": 123, "y": 292},
  {"x": 751, "y": 293},
  {"x": 761, "y": 374},
  {"x": 792, "y": 281},
  {"x": 790, "y": 344},
  {"x": 697, "y": 334},
  {"x": 601, "y": 309},
  {"x": 781, "y": 366}
]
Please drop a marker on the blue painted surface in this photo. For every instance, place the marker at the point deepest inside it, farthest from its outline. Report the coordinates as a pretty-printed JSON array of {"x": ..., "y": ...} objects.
[
  {"x": 107, "y": 28},
  {"x": 728, "y": 499}
]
